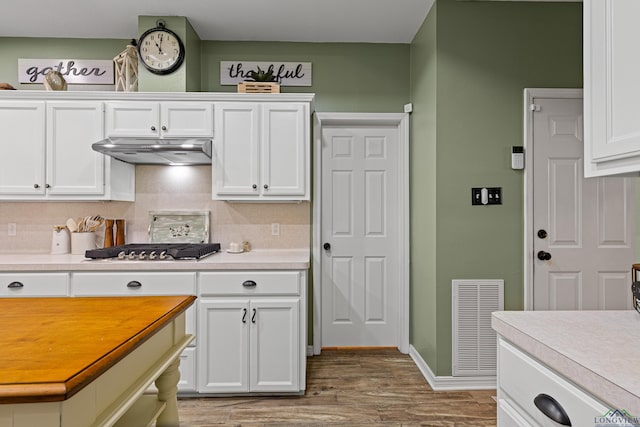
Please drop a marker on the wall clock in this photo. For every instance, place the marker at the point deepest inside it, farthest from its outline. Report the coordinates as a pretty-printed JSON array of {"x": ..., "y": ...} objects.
[{"x": 160, "y": 50}]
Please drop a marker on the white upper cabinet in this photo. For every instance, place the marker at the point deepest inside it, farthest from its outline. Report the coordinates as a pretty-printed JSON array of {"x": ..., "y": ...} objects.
[
  {"x": 611, "y": 87},
  {"x": 261, "y": 151},
  {"x": 50, "y": 154},
  {"x": 159, "y": 119},
  {"x": 22, "y": 142}
]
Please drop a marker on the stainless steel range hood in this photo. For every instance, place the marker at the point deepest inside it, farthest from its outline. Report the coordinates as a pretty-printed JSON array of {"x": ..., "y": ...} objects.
[{"x": 178, "y": 151}]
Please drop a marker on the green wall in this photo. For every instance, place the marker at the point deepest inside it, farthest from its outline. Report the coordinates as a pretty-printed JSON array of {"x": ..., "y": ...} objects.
[
  {"x": 423, "y": 303},
  {"x": 349, "y": 77},
  {"x": 486, "y": 53},
  {"x": 11, "y": 49}
]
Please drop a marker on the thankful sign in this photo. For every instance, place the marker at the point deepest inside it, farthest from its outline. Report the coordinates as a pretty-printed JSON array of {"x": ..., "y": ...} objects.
[
  {"x": 285, "y": 73},
  {"x": 74, "y": 71}
]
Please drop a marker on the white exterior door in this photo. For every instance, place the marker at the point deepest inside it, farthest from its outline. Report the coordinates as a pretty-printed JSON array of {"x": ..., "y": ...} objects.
[
  {"x": 360, "y": 234},
  {"x": 585, "y": 225}
]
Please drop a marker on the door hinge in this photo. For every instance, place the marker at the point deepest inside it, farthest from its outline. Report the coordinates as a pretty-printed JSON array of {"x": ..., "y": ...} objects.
[{"x": 534, "y": 107}]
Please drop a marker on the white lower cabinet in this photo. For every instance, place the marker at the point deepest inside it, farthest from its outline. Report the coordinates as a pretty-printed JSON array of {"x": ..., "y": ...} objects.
[
  {"x": 34, "y": 285},
  {"x": 146, "y": 284},
  {"x": 252, "y": 332},
  {"x": 529, "y": 393}
]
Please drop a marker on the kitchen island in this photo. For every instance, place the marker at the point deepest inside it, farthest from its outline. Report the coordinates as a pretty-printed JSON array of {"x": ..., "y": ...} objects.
[
  {"x": 87, "y": 361},
  {"x": 586, "y": 360}
]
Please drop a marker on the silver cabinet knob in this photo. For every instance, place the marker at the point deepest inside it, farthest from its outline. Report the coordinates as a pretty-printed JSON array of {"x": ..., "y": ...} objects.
[
  {"x": 153, "y": 128},
  {"x": 254, "y": 186},
  {"x": 266, "y": 186},
  {"x": 36, "y": 186},
  {"x": 164, "y": 128}
]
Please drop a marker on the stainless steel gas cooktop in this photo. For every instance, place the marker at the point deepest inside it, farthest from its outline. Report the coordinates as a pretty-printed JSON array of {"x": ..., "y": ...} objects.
[{"x": 155, "y": 251}]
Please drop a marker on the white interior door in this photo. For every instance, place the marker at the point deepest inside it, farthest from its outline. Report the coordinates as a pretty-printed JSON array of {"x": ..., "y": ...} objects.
[
  {"x": 360, "y": 235},
  {"x": 585, "y": 225}
]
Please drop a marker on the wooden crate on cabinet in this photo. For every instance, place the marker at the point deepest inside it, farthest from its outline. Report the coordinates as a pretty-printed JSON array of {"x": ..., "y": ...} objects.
[{"x": 258, "y": 87}]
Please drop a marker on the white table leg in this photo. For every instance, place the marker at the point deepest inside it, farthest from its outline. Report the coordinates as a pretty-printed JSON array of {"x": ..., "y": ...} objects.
[{"x": 167, "y": 385}]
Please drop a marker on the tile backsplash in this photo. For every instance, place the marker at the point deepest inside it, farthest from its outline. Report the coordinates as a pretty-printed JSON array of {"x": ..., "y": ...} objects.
[{"x": 162, "y": 188}]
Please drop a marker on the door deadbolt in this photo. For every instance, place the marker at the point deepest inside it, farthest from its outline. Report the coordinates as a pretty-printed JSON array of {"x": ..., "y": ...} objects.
[
  {"x": 544, "y": 256},
  {"x": 327, "y": 246},
  {"x": 542, "y": 234}
]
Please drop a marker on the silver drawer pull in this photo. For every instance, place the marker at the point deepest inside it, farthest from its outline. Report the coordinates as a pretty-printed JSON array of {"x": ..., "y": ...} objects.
[
  {"x": 134, "y": 284},
  {"x": 249, "y": 284},
  {"x": 14, "y": 285}
]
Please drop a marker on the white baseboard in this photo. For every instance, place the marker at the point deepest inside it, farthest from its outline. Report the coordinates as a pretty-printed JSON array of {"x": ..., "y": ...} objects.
[{"x": 450, "y": 383}]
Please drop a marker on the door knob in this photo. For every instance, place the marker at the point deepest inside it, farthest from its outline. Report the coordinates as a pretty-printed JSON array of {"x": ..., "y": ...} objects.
[
  {"x": 327, "y": 246},
  {"x": 542, "y": 234},
  {"x": 544, "y": 256}
]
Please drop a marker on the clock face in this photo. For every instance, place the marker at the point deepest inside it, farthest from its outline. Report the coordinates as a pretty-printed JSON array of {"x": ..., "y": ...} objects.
[{"x": 161, "y": 51}]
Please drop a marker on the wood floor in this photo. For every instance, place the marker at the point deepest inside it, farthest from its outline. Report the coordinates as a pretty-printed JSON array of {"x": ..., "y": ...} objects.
[{"x": 351, "y": 388}]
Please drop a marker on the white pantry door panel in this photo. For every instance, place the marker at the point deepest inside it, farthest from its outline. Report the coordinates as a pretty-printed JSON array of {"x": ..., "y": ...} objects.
[
  {"x": 590, "y": 222},
  {"x": 360, "y": 223},
  {"x": 236, "y": 149},
  {"x": 22, "y": 147},
  {"x": 612, "y": 70},
  {"x": 73, "y": 167},
  {"x": 283, "y": 149}
]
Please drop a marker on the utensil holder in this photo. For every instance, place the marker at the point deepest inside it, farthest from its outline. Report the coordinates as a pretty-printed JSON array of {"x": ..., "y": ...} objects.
[
  {"x": 82, "y": 242},
  {"x": 108, "y": 233},
  {"x": 120, "y": 224}
]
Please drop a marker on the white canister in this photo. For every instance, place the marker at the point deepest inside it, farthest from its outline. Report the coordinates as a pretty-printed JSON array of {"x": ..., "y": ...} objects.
[
  {"x": 82, "y": 242},
  {"x": 60, "y": 241}
]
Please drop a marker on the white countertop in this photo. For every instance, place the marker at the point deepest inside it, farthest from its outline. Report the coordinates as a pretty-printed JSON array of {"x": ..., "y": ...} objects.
[
  {"x": 258, "y": 259},
  {"x": 597, "y": 350}
]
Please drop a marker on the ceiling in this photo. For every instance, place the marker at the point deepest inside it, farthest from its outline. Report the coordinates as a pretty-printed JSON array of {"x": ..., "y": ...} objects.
[{"x": 374, "y": 21}]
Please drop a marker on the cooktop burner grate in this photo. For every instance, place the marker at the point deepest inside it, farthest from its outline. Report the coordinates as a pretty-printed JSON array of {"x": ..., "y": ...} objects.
[{"x": 143, "y": 251}]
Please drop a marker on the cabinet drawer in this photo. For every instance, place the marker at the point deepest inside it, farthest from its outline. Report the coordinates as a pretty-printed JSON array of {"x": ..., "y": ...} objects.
[
  {"x": 242, "y": 283},
  {"x": 131, "y": 283},
  {"x": 34, "y": 285},
  {"x": 521, "y": 378}
]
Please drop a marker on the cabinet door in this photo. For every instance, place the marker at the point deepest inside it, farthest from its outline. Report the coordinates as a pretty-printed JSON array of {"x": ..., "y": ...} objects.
[
  {"x": 73, "y": 167},
  {"x": 235, "y": 170},
  {"x": 180, "y": 119},
  {"x": 275, "y": 344},
  {"x": 132, "y": 119},
  {"x": 22, "y": 147},
  {"x": 284, "y": 149},
  {"x": 223, "y": 346},
  {"x": 611, "y": 86}
]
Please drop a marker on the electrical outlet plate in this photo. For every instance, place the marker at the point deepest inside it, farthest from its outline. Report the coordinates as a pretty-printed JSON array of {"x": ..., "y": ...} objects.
[
  {"x": 12, "y": 229},
  {"x": 275, "y": 229}
]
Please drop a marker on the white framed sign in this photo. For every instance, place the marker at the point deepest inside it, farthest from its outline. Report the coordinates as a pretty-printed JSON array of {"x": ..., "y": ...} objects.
[
  {"x": 286, "y": 73},
  {"x": 74, "y": 71}
]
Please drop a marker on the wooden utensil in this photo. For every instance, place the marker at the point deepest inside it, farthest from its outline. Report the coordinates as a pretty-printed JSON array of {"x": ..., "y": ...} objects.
[{"x": 72, "y": 225}]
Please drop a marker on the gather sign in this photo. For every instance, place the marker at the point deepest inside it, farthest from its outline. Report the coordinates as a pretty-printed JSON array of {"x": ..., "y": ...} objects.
[{"x": 74, "y": 71}]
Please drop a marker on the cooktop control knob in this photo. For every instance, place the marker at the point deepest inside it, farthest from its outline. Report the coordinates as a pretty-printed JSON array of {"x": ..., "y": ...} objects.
[
  {"x": 163, "y": 255},
  {"x": 122, "y": 255},
  {"x": 143, "y": 255},
  {"x": 132, "y": 255},
  {"x": 153, "y": 255}
]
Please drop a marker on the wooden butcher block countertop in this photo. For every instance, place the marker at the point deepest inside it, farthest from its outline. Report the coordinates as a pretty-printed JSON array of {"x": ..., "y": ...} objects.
[{"x": 50, "y": 348}]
